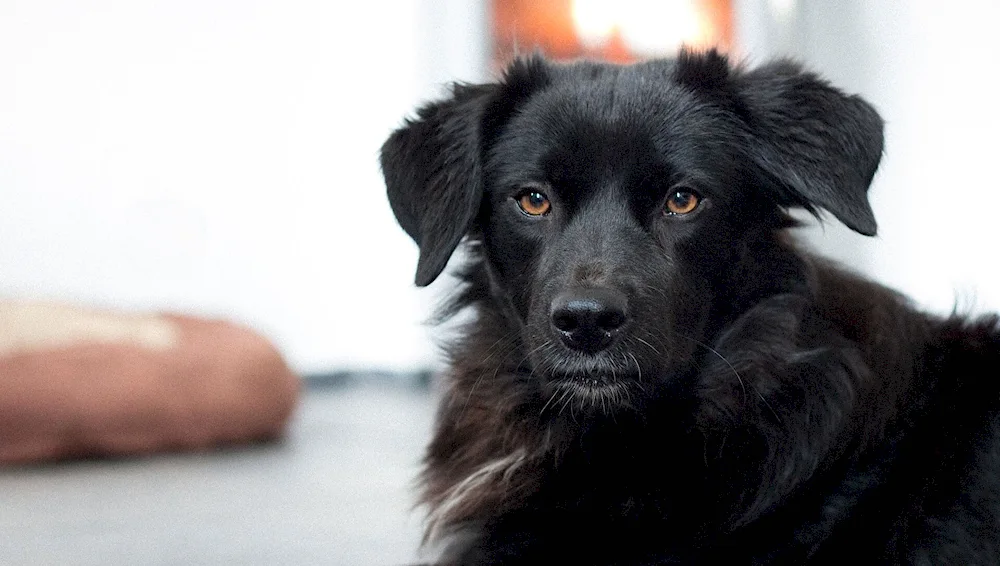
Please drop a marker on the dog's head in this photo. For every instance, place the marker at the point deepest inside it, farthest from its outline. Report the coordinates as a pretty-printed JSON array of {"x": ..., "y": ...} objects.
[{"x": 626, "y": 212}]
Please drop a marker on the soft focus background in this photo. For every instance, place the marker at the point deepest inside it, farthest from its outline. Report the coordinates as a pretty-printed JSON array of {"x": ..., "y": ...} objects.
[{"x": 219, "y": 158}]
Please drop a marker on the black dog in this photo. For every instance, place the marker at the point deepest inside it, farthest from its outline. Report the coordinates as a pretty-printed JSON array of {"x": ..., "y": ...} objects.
[{"x": 655, "y": 373}]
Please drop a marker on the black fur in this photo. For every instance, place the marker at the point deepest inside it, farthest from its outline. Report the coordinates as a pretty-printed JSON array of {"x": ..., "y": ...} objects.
[{"x": 758, "y": 405}]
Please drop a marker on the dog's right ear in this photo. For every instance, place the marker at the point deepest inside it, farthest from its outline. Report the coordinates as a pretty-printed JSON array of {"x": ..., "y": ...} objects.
[
  {"x": 432, "y": 175},
  {"x": 433, "y": 164}
]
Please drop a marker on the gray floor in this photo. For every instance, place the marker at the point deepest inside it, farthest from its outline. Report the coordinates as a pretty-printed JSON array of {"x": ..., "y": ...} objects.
[{"x": 337, "y": 491}]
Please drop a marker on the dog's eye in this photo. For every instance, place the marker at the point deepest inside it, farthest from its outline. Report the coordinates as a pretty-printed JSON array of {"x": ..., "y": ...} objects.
[
  {"x": 534, "y": 203},
  {"x": 682, "y": 202}
]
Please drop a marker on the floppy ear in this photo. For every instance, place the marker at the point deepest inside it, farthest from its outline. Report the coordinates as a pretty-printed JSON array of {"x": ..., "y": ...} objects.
[
  {"x": 820, "y": 145},
  {"x": 432, "y": 164},
  {"x": 432, "y": 174}
]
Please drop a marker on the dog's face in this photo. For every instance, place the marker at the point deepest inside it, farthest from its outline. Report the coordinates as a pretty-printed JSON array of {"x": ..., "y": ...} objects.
[
  {"x": 625, "y": 211},
  {"x": 606, "y": 209}
]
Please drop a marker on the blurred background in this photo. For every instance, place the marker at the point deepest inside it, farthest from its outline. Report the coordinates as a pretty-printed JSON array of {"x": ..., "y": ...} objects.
[{"x": 218, "y": 158}]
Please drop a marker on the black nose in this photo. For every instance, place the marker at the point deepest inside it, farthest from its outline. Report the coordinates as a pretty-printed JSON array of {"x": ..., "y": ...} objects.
[{"x": 588, "y": 319}]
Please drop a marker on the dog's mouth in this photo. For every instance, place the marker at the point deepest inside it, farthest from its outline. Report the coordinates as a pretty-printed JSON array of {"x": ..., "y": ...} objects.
[
  {"x": 581, "y": 394},
  {"x": 591, "y": 382},
  {"x": 586, "y": 384},
  {"x": 590, "y": 370}
]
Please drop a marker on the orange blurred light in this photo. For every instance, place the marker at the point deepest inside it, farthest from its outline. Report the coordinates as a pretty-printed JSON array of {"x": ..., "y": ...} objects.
[
  {"x": 646, "y": 27},
  {"x": 616, "y": 30}
]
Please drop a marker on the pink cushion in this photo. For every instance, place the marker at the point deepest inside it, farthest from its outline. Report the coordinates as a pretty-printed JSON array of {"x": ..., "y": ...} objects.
[{"x": 147, "y": 385}]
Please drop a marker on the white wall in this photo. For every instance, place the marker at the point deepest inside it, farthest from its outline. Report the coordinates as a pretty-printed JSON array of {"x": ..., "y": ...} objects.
[
  {"x": 220, "y": 157},
  {"x": 930, "y": 68}
]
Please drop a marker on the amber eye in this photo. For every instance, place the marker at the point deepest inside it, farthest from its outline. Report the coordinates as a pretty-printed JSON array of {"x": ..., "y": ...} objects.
[
  {"x": 534, "y": 203},
  {"x": 682, "y": 202}
]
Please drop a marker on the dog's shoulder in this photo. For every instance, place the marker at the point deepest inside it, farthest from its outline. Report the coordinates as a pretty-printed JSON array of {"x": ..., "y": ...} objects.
[{"x": 936, "y": 392}]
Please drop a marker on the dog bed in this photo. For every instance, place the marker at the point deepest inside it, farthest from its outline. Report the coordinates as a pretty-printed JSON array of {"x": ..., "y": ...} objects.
[{"x": 78, "y": 382}]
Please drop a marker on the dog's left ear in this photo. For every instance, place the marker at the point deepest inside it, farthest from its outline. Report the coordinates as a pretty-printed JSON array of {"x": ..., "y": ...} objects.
[
  {"x": 821, "y": 145},
  {"x": 818, "y": 147}
]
